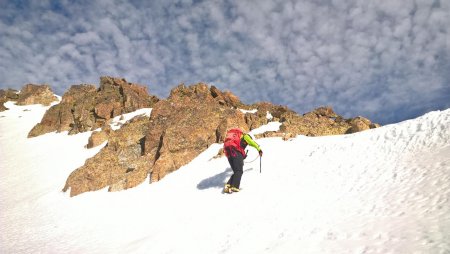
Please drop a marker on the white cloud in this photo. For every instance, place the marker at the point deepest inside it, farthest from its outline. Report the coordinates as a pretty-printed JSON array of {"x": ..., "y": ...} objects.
[{"x": 361, "y": 57}]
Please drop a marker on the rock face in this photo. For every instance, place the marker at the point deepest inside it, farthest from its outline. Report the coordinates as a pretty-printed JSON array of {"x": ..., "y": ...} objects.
[
  {"x": 179, "y": 129},
  {"x": 186, "y": 124},
  {"x": 360, "y": 124},
  {"x": 36, "y": 94},
  {"x": 265, "y": 109},
  {"x": 320, "y": 122},
  {"x": 84, "y": 108},
  {"x": 2, "y": 106},
  {"x": 7, "y": 95},
  {"x": 98, "y": 137},
  {"x": 121, "y": 164}
]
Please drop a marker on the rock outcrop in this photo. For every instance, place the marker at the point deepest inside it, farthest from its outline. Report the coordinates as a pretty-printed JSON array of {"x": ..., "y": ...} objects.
[
  {"x": 186, "y": 124},
  {"x": 36, "y": 94},
  {"x": 7, "y": 95},
  {"x": 178, "y": 130},
  {"x": 320, "y": 122},
  {"x": 28, "y": 95},
  {"x": 121, "y": 164},
  {"x": 85, "y": 108},
  {"x": 98, "y": 137},
  {"x": 266, "y": 112},
  {"x": 360, "y": 124},
  {"x": 2, "y": 106}
]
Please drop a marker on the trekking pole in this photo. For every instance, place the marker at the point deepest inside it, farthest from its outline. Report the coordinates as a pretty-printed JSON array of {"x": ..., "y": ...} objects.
[{"x": 260, "y": 164}]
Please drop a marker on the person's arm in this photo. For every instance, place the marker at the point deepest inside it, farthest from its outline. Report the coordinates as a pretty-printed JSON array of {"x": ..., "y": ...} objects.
[{"x": 251, "y": 142}]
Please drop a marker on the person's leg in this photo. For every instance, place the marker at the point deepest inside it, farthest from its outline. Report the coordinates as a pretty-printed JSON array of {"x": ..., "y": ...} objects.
[
  {"x": 230, "y": 160},
  {"x": 238, "y": 170}
]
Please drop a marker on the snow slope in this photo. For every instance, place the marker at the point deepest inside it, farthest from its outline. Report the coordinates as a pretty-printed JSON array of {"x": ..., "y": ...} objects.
[{"x": 385, "y": 190}]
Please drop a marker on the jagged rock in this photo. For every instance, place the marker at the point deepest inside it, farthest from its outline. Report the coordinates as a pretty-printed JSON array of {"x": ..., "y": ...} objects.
[
  {"x": 121, "y": 164},
  {"x": 98, "y": 137},
  {"x": 73, "y": 113},
  {"x": 36, "y": 94},
  {"x": 325, "y": 111},
  {"x": 7, "y": 95},
  {"x": 178, "y": 130},
  {"x": 260, "y": 117},
  {"x": 225, "y": 98},
  {"x": 2, "y": 106},
  {"x": 271, "y": 134},
  {"x": 374, "y": 125},
  {"x": 359, "y": 124},
  {"x": 85, "y": 108},
  {"x": 320, "y": 122},
  {"x": 185, "y": 125},
  {"x": 255, "y": 120}
]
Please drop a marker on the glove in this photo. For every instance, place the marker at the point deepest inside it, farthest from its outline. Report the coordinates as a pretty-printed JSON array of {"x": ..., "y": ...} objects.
[{"x": 260, "y": 153}]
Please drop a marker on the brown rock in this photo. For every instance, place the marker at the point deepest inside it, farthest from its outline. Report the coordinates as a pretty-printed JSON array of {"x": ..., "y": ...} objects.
[
  {"x": 72, "y": 114},
  {"x": 36, "y": 94},
  {"x": 225, "y": 98},
  {"x": 85, "y": 108},
  {"x": 2, "y": 106},
  {"x": 255, "y": 120},
  {"x": 320, "y": 122},
  {"x": 178, "y": 130},
  {"x": 359, "y": 124},
  {"x": 271, "y": 134},
  {"x": 121, "y": 164},
  {"x": 374, "y": 125},
  {"x": 9, "y": 94},
  {"x": 259, "y": 118},
  {"x": 98, "y": 137},
  {"x": 325, "y": 111},
  {"x": 185, "y": 125},
  {"x": 107, "y": 110}
]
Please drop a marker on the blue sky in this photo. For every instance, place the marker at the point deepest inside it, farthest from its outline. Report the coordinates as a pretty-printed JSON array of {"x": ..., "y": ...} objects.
[{"x": 385, "y": 60}]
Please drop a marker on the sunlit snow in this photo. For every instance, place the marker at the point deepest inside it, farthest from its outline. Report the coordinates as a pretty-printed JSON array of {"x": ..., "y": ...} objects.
[{"x": 385, "y": 190}]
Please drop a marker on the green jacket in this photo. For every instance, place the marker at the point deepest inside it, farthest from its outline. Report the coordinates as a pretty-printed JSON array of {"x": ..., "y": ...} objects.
[{"x": 248, "y": 140}]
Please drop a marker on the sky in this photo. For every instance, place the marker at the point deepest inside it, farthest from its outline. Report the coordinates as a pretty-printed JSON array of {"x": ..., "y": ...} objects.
[{"x": 384, "y": 60}]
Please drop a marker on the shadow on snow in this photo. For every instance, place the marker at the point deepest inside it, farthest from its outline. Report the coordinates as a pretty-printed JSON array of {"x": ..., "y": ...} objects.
[{"x": 217, "y": 181}]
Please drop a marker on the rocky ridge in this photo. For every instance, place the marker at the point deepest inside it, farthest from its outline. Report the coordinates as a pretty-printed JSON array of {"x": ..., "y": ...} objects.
[
  {"x": 184, "y": 125},
  {"x": 7, "y": 95},
  {"x": 86, "y": 108},
  {"x": 178, "y": 129},
  {"x": 29, "y": 94},
  {"x": 36, "y": 94}
]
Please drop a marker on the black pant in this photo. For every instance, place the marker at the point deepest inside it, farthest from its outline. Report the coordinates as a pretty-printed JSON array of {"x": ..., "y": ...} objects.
[{"x": 236, "y": 161}]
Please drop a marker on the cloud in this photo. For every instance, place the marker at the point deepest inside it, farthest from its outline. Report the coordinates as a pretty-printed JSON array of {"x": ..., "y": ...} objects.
[{"x": 385, "y": 60}]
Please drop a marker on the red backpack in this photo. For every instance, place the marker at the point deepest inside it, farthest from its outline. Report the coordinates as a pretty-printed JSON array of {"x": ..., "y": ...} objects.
[{"x": 233, "y": 139}]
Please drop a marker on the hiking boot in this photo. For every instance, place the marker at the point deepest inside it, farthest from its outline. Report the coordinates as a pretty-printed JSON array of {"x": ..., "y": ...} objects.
[
  {"x": 234, "y": 189},
  {"x": 227, "y": 188}
]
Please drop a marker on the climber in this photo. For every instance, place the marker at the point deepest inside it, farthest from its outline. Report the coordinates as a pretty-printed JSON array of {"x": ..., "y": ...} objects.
[{"x": 235, "y": 143}]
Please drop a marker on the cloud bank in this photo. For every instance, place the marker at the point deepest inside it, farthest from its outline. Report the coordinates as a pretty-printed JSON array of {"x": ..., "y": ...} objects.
[{"x": 386, "y": 60}]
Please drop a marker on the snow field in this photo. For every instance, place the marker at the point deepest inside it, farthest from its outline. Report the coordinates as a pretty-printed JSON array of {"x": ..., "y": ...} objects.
[{"x": 385, "y": 190}]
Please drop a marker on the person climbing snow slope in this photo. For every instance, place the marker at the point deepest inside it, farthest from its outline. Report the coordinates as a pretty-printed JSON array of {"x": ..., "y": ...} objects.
[{"x": 234, "y": 147}]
